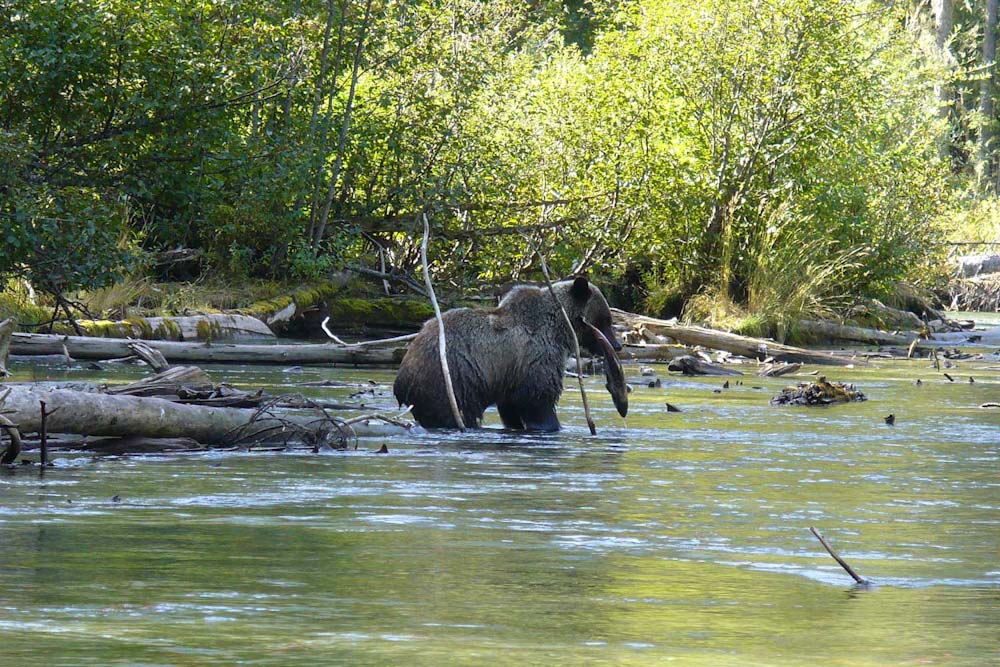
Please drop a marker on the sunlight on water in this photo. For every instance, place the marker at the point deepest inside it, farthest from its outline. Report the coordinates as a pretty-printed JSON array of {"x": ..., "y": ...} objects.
[{"x": 682, "y": 538}]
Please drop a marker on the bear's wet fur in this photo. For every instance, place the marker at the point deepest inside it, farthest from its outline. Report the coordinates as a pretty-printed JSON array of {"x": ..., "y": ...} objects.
[{"x": 512, "y": 356}]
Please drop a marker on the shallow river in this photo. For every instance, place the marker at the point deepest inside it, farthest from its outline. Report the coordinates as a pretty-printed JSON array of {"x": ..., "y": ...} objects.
[{"x": 683, "y": 537}]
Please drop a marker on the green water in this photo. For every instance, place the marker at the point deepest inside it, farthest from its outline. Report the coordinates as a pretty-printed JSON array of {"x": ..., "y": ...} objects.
[{"x": 683, "y": 538}]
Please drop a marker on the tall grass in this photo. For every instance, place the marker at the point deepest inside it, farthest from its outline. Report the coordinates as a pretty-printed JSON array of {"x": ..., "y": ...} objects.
[
  {"x": 796, "y": 275},
  {"x": 793, "y": 274}
]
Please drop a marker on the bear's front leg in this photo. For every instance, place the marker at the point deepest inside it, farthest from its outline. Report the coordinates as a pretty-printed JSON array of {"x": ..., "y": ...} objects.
[{"x": 540, "y": 418}]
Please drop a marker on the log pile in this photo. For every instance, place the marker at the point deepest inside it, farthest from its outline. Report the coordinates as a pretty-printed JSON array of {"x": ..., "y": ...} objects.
[
  {"x": 103, "y": 414},
  {"x": 820, "y": 392}
]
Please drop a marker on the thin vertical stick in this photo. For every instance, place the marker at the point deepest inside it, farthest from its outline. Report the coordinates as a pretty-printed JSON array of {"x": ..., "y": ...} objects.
[
  {"x": 576, "y": 344},
  {"x": 847, "y": 568},
  {"x": 442, "y": 351}
]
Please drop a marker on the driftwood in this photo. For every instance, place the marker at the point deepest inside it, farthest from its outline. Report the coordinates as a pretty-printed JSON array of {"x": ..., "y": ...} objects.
[
  {"x": 755, "y": 348},
  {"x": 154, "y": 358},
  {"x": 689, "y": 365},
  {"x": 777, "y": 370},
  {"x": 125, "y": 416},
  {"x": 81, "y": 347},
  {"x": 174, "y": 381},
  {"x": 6, "y": 330}
]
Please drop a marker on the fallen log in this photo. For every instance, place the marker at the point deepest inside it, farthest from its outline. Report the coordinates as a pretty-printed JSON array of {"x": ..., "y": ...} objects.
[
  {"x": 81, "y": 347},
  {"x": 834, "y": 331},
  {"x": 104, "y": 414},
  {"x": 755, "y": 348}
]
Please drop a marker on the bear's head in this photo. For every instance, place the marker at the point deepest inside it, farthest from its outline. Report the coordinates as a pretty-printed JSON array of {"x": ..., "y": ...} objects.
[{"x": 587, "y": 304}]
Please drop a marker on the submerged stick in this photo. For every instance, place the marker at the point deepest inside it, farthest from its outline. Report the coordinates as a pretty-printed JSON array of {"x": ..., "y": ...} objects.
[
  {"x": 847, "y": 568},
  {"x": 442, "y": 350},
  {"x": 576, "y": 344}
]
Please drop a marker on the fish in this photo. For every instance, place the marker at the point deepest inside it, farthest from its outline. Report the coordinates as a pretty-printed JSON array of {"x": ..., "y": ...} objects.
[{"x": 613, "y": 372}]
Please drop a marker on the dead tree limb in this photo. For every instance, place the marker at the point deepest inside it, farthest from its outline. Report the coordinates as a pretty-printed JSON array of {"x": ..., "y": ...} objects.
[
  {"x": 154, "y": 358},
  {"x": 365, "y": 343},
  {"x": 576, "y": 344},
  {"x": 442, "y": 351}
]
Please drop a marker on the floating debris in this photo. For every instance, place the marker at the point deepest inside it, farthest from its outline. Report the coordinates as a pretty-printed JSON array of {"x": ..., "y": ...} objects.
[{"x": 820, "y": 392}]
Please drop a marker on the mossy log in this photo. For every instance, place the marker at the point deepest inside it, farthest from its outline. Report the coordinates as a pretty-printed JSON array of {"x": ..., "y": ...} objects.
[
  {"x": 98, "y": 414},
  {"x": 211, "y": 326},
  {"x": 302, "y": 311},
  {"x": 81, "y": 347},
  {"x": 755, "y": 348}
]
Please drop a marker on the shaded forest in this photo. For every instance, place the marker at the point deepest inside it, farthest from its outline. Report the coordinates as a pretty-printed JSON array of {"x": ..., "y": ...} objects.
[{"x": 777, "y": 158}]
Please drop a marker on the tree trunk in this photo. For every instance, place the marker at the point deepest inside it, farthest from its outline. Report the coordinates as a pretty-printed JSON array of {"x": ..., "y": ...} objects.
[
  {"x": 80, "y": 347},
  {"x": 943, "y": 11},
  {"x": 97, "y": 414},
  {"x": 344, "y": 128},
  {"x": 985, "y": 162}
]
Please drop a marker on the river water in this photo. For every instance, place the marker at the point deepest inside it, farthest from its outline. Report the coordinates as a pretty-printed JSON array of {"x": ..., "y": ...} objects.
[{"x": 683, "y": 537}]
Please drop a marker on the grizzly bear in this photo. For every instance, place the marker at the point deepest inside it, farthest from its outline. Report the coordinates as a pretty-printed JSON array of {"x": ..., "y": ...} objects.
[{"x": 512, "y": 356}]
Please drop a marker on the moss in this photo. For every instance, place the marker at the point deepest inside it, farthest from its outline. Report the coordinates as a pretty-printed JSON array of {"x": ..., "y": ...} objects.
[
  {"x": 96, "y": 328},
  {"x": 304, "y": 298},
  {"x": 167, "y": 329},
  {"x": 204, "y": 330},
  {"x": 385, "y": 312},
  {"x": 139, "y": 327},
  {"x": 262, "y": 310}
]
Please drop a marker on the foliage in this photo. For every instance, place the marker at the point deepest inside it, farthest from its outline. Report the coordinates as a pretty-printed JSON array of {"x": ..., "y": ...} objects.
[{"x": 653, "y": 137}]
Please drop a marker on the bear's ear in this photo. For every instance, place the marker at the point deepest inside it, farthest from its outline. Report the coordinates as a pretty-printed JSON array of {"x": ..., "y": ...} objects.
[{"x": 580, "y": 289}]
